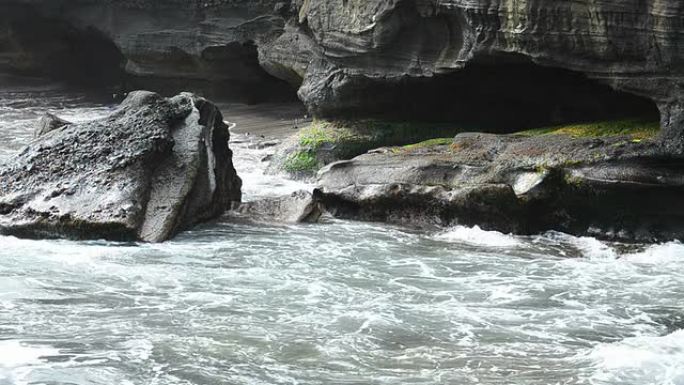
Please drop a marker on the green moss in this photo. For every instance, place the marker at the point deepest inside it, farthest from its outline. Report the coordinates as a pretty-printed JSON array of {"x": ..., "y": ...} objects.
[
  {"x": 572, "y": 163},
  {"x": 573, "y": 180},
  {"x": 316, "y": 135},
  {"x": 430, "y": 143},
  {"x": 637, "y": 129},
  {"x": 542, "y": 168},
  {"x": 302, "y": 161},
  {"x": 326, "y": 141}
]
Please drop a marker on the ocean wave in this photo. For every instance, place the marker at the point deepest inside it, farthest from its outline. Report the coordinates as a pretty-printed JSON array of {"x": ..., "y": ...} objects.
[
  {"x": 660, "y": 253},
  {"x": 641, "y": 360},
  {"x": 476, "y": 236}
]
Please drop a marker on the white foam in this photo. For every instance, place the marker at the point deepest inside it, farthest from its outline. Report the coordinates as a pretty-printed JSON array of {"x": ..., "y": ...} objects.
[
  {"x": 14, "y": 354},
  {"x": 139, "y": 350},
  {"x": 62, "y": 251},
  {"x": 477, "y": 236},
  {"x": 589, "y": 247},
  {"x": 642, "y": 360},
  {"x": 592, "y": 248},
  {"x": 256, "y": 183},
  {"x": 662, "y": 253}
]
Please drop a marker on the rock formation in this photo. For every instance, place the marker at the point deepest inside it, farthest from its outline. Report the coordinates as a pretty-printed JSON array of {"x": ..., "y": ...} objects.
[
  {"x": 169, "y": 46},
  {"x": 496, "y": 66},
  {"x": 382, "y": 55},
  {"x": 500, "y": 64},
  {"x": 611, "y": 187},
  {"x": 152, "y": 168},
  {"x": 298, "y": 207}
]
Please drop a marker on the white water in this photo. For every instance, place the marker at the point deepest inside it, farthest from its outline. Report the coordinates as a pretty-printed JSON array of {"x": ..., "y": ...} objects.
[{"x": 336, "y": 303}]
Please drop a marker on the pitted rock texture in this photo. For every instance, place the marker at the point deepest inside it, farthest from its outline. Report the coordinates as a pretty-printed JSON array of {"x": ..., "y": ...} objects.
[{"x": 152, "y": 168}]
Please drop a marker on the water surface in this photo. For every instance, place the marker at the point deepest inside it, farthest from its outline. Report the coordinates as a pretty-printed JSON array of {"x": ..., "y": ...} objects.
[{"x": 336, "y": 303}]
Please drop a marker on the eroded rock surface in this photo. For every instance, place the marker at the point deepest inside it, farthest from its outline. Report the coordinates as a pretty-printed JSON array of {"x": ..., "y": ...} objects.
[
  {"x": 607, "y": 187},
  {"x": 351, "y": 51},
  {"x": 356, "y": 56},
  {"x": 558, "y": 59},
  {"x": 152, "y": 168}
]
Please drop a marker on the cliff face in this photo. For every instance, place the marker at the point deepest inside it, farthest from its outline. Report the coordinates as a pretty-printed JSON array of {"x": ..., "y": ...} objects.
[
  {"x": 351, "y": 48},
  {"x": 443, "y": 58},
  {"x": 168, "y": 45}
]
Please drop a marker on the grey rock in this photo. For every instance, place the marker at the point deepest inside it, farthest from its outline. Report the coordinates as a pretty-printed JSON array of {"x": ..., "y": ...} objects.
[
  {"x": 298, "y": 207},
  {"x": 48, "y": 123},
  {"x": 355, "y": 58},
  {"x": 152, "y": 168},
  {"x": 610, "y": 187},
  {"x": 375, "y": 56},
  {"x": 207, "y": 46}
]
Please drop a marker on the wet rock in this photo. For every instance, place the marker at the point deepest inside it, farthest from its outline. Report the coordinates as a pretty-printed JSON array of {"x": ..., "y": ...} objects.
[
  {"x": 525, "y": 185},
  {"x": 300, "y": 206},
  {"x": 48, "y": 123},
  {"x": 152, "y": 168}
]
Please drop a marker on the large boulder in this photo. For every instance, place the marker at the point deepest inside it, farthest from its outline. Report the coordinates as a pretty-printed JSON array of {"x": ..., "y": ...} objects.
[
  {"x": 612, "y": 188},
  {"x": 152, "y": 168}
]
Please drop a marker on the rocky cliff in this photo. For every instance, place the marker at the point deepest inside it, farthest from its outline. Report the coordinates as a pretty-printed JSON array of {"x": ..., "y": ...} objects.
[
  {"x": 170, "y": 45},
  {"x": 355, "y": 55},
  {"x": 499, "y": 63}
]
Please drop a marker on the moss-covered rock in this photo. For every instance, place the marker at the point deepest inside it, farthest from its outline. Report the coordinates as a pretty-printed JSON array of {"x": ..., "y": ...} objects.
[
  {"x": 636, "y": 129},
  {"x": 515, "y": 183},
  {"x": 325, "y": 142}
]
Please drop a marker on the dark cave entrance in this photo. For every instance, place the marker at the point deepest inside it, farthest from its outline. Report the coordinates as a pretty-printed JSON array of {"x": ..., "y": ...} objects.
[
  {"x": 229, "y": 73},
  {"x": 42, "y": 46},
  {"x": 502, "y": 94},
  {"x": 33, "y": 44},
  {"x": 90, "y": 59}
]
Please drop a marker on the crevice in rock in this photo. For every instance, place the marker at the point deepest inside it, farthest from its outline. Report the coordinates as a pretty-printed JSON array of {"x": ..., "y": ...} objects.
[{"x": 502, "y": 93}]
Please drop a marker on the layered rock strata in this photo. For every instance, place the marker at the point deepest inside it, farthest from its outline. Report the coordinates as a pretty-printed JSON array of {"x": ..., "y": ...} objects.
[{"x": 379, "y": 57}]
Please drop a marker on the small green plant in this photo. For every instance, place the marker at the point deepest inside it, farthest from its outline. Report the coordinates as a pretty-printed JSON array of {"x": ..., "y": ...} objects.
[
  {"x": 302, "y": 161},
  {"x": 315, "y": 135}
]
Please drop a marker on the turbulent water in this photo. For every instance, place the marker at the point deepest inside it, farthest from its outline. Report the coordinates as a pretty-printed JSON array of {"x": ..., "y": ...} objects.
[{"x": 335, "y": 303}]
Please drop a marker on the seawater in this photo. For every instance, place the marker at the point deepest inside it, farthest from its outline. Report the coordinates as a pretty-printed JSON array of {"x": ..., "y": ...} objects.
[{"x": 334, "y": 303}]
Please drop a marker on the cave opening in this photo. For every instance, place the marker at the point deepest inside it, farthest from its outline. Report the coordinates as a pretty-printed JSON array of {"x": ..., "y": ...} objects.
[
  {"x": 501, "y": 94},
  {"x": 34, "y": 44},
  {"x": 229, "y": 73},
  {"x": 43, "y": 46}
]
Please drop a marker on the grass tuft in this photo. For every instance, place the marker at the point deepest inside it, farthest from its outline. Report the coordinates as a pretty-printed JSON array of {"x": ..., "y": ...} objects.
[{"x": 301, "y": 161}]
